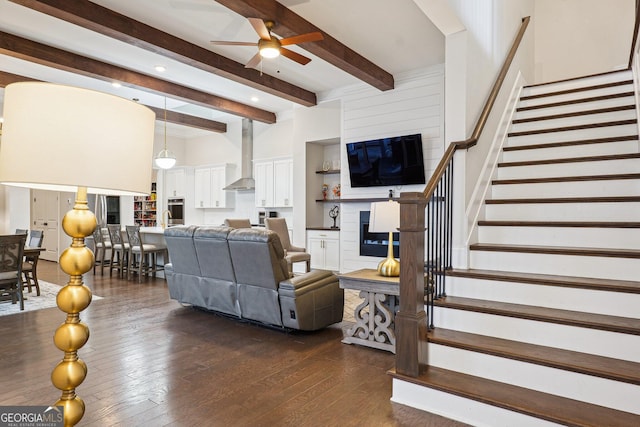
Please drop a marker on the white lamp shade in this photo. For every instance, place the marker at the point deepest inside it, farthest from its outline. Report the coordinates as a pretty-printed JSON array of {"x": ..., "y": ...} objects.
[
  {"x": 384, "y": 217},
  {"x": 58, "y": 138}
]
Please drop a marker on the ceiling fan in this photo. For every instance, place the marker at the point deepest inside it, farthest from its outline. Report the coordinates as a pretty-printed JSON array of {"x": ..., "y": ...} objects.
[{"x": 270, "y": 46}]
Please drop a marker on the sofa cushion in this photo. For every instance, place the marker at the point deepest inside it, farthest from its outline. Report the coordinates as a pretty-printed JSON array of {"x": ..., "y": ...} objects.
[{"x": 182, "y": 250}]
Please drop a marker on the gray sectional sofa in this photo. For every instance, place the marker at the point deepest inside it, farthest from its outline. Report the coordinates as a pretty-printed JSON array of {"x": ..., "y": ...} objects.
[{"x": 243, "y": 273}]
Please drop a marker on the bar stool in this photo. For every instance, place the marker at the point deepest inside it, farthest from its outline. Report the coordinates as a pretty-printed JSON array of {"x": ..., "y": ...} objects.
[
  {"x": 143, "y": 256},
  {"x": 119, "y": 251},
  {"x": 101, "y": 246}
]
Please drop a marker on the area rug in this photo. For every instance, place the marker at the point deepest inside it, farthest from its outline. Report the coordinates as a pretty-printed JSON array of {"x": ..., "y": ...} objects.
[{"x": 47, "y": 299}]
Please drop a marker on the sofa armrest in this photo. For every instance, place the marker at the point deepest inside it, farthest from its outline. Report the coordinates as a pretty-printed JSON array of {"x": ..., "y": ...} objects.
[{"x": 300, "y": 285}]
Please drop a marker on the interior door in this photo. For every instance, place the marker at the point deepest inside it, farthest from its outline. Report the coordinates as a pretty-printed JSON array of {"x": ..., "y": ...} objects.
[{"x": 44, "y": 216}]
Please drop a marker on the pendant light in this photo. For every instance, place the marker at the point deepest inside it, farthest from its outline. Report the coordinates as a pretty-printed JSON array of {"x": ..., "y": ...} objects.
[{"x": 165, "y": 158}]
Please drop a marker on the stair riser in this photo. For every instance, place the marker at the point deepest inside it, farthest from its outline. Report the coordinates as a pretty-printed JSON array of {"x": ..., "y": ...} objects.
[
  {"x": 572, "y": 108},
  {"x": 564, "y": 212},
  {"x": 573, "y": 121},
  {"x": 563, "y": 298},
  {"x": 561, "y": 265},
  {"x": 584, "y": 340},
  {"x": 573, "y": 135},
  {"x": 578, "y": 83},
  {"x": 459, "y": 408},
  {"x": 585, "y": 388},
  {"x": 623, "y": 187},
  {"x": 571, "y": 96},
  {"x": 600, "y": 149},
  {"x": 603, "y": 167},
  {"x": 620, "y": 238}
]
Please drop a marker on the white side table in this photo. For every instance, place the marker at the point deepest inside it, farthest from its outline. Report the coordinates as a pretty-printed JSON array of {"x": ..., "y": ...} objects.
[{"x": 375, "y": 315}]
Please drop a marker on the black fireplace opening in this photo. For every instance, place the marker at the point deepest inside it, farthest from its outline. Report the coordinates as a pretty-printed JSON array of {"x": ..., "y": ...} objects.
[{"x": 376, "y": 244}]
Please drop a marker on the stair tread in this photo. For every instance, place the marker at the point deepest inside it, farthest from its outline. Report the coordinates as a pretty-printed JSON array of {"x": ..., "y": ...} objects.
[
  {"x": 568, "y": 224},
  {"x": 575, "y": 101},
  {"x": 602, "y": 177},
  {"x": 545, "y": 406},
  {"x": 604, "y": 199},
  {"x": 575, "y": 114},
  {"x": 557, "y": 250},
  {"x": 584, "y": 363},
  {"x": 548, "y": 279},
  {"x": 576, "y": 78},
  {"x": 625, "y": 325},
  {"x": 572, "y": 128},
  {"x": 578, "y": 89},
  {"x": 571, "y": 143},
  {"x": 608, "y": 157}
]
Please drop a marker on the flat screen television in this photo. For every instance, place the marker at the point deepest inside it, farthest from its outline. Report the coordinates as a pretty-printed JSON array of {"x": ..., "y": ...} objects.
[{"x": 386, "y": 161}]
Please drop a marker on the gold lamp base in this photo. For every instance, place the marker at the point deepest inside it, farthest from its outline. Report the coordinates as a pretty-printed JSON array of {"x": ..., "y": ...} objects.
[{"x": 389, "y": 267}]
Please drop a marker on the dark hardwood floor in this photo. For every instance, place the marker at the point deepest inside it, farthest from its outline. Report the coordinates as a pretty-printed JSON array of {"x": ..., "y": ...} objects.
[{"x": 153, "y": 362}]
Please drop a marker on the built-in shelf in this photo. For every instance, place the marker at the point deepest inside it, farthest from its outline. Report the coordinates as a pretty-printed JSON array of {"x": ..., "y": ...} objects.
[
  {"x": 368, "y": 200},
  {"x": 323, "y": 228},
  {"x": 329, "y": 172}
]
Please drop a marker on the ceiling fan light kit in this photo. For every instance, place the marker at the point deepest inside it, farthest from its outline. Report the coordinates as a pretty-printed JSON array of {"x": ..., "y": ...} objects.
[{"x": 269, "y": 48}]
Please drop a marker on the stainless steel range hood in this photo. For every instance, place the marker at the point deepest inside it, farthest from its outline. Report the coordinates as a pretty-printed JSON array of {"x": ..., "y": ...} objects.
[{"x": 246, "y": 181}]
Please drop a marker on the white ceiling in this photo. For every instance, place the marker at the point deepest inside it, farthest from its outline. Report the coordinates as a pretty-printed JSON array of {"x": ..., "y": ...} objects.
[{"x": 393, "y": 34}]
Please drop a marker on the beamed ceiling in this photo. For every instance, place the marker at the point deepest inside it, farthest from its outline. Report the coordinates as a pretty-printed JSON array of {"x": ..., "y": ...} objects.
[{"x": 96, "y": 43}]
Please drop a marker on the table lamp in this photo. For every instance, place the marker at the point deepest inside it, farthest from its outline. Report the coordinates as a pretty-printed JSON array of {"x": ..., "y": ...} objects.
[
  {"x": 64, "y": 138},
  {"x": 385, "y": 218}
]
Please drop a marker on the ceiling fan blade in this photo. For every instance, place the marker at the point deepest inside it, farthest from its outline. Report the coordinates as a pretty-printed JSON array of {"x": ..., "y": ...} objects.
[
  {"x": 261, "y": 29},
  {"x": 229, "y": 43},
  {"x": 253, "y": 62},
  {"x": 302, "y": 38},
  {"x": 302, "y": 60}
]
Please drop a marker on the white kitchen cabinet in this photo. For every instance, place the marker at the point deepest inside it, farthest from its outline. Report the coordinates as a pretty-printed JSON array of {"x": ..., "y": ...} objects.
[
  {"x": 274, "y": 183},
  {"x": 263, "y": 176},
  {"x": 174, "y": 182},
  {"x": 283, "y": 183},
  {"x": 208, "y": 187},
  {"x": 324, "y": 247}
]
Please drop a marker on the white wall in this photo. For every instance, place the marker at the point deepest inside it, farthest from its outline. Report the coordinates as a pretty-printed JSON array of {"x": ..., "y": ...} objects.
[
  {"x": 582, "y": 37},
  {"x": 416, "y": 105}
]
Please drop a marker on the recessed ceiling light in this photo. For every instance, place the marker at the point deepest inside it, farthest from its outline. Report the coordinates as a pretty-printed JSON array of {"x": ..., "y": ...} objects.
[
  {"x": 160, "y": 68},
  {"x": 116, "y": 84},
  {"x": 255, "y": 99}
]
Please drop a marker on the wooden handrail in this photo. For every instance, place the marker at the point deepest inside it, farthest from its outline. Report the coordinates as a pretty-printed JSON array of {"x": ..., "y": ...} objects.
[
  {"x": 484, "y": 115},
  {"x": 411, "y": 319},
  {"x": 635, "y": 34}
]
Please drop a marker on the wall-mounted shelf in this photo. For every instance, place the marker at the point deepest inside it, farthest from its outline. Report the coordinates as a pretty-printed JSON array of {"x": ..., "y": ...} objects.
[
  {"x": 368, "y": 200},
  {"x": 329, "y": 172}
]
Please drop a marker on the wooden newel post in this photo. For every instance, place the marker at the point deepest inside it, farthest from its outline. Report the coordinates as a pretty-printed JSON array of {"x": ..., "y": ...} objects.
[{"x": 411, "y": 320}]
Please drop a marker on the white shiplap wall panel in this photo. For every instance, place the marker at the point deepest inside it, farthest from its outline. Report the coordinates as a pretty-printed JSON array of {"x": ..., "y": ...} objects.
[{"x": 416, "y": 105}]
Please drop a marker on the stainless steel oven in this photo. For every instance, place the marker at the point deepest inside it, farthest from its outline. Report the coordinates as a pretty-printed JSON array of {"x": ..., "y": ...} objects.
[{"x": 176, "y": 211}]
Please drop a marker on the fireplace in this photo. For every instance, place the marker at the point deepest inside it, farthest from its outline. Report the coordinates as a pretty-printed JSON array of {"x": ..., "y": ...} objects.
[{"x": 376, "y": 244}]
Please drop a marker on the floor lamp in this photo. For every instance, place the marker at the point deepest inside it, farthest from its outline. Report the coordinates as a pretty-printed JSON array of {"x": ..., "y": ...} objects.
[
  {"x": 63, "y": 138},
  {"x": 385, "y": 218}
]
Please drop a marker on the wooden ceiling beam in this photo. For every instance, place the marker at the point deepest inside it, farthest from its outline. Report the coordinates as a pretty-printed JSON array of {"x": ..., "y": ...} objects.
[
  {"x": 331, "y": 50},
  {"x": 28, "y": 50},
  {"x": 112, "y": 24},
  {"x": 171, "y": 116}
]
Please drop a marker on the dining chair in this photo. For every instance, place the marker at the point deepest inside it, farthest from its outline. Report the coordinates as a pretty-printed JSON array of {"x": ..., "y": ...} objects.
[
  {"x": 293, "y": 254},
  {"x": 30, "y": 263},
  {"x": 238, "y": 222},
  {"x": 143, "y": 256},
  {"x": 11, "y": 253},
  {"x": 101, "y": 245},
  {"x": 119, "y": 250}
]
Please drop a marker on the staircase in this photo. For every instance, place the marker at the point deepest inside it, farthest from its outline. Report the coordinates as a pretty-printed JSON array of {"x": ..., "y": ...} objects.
[{"x": 544, "y": 328}]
